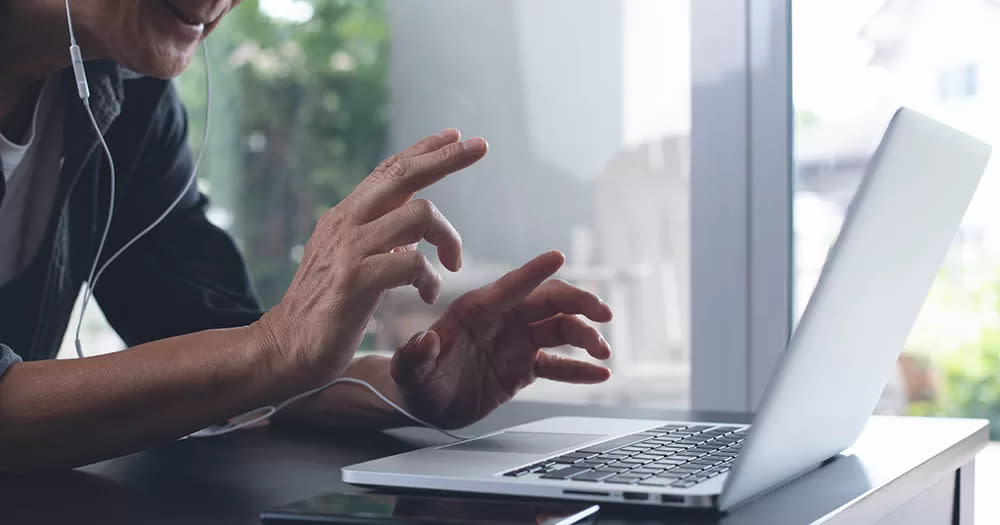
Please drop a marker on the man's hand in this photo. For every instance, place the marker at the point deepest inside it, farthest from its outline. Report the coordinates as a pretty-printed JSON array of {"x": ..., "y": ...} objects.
[
  {"x": 488, "y": 345},
  {"x": 354, "y": 256}
]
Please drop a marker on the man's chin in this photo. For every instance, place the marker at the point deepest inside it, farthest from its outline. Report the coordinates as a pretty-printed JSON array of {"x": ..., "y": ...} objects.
[{"x": 162, "y": 67}]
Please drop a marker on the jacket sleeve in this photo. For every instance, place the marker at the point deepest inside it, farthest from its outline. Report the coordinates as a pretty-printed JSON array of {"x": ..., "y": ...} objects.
[
  {"x": 186, "y": 274},
  {"x": 7, "y": 358}
]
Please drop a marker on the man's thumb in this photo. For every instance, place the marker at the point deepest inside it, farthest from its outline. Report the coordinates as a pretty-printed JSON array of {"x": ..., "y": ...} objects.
[{"x": 414, "y": 360}]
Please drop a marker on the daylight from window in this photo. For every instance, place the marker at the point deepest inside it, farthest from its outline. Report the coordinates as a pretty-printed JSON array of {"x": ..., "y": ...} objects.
[
  {"x": 587, "y": 110},
  {"x": 854, "y": 63}
]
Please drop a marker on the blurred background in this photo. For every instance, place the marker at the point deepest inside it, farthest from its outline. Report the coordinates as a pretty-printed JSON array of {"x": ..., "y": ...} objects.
[{"x": 588, "y": 109}]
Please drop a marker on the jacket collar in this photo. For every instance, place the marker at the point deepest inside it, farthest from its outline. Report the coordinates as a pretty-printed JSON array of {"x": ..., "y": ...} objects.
[{"x": 107, "y": 93}]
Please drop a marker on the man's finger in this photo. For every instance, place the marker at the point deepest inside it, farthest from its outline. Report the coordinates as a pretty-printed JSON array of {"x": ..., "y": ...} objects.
[
  {"x": 505, "y": 293},
  {"x": 391, "y": 187},
  {"x": 570, "y": 330},
  {"x": 416, "y": 359},
  {"x": 433, "y": 142},
  {"x": 425, "y": 145},
  {"x": 559, "y": 297},
  {"x": 566, "y": 370},
  {"x": 418, "y": 220},
  {"x": 393, "y": 270}
]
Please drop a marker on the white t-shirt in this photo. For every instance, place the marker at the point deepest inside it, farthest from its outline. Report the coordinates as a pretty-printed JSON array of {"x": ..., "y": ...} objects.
[{"x": 32, "y": 171}]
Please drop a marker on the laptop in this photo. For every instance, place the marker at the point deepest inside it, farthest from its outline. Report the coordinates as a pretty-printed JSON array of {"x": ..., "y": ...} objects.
[{"x": 895, "y": 236}]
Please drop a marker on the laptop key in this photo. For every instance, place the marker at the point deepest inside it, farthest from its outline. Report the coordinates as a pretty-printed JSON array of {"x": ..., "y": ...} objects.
[
  {"x": 668, "y": 428},
  {"x": 664, "y": 466},
  {"x": 658, "y": 481},
  {"x": 620, "y": 466},
  {"x": 608, "y": 446},
  {"x": 624, "y": 480},
  {"x": 594, "y": 475},
  {"x": 564, "y": 473}
]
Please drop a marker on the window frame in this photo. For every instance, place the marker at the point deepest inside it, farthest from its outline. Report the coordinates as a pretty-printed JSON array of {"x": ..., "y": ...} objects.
[{"x": 741, "y": 201}]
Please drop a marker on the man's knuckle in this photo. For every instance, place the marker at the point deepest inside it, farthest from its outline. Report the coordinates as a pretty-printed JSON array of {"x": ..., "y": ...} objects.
[
  {"x": 348, "y": 277},
  {"x": 331, "y": 220},
  {"x": 416, "y": 261},
  {"x": 558, "y": 284},
  {"x": 426, "y": 143},
  {"x": 446, "y": 155},
  {"x": 468, "y": 306},
  {"x": 389, "y": 162},
  {"x": 356, "y": 235},
  {"x": 419, "y": 267},
  {"x": 398, "y": 169},
  {"x": 425, "y": 210}
]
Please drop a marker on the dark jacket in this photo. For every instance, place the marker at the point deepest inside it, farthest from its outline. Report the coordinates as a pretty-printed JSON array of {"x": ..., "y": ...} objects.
[{"x": 185, "y": 275}]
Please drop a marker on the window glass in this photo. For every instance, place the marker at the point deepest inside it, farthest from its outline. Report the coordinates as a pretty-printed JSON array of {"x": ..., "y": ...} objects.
[
  {"x": 587, "y": 109},
  {"x": 855, "y": 62}
]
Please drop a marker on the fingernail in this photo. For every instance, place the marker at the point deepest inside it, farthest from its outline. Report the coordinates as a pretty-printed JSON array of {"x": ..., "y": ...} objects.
[
  {"x": 475, "y": 145},
  {"x": 447, "y": 132},
  {"x": 419, "y": 338}
]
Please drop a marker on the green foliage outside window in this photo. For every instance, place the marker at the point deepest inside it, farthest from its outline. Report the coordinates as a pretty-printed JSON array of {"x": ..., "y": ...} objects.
[
  {"x": 299, "y": 118},
  {"x": 971, "y": 375}
]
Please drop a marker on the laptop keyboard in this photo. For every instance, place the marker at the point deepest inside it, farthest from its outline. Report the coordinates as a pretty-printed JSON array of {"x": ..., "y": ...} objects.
[{"x": 679, "y": 456}]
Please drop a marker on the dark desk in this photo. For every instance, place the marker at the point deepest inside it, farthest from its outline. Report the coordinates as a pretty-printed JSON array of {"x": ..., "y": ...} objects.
[{"x": 901, "y": 471}]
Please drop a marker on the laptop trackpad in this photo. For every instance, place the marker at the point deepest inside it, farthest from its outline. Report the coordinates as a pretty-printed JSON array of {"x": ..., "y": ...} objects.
[{"x": 523, "y": 442}]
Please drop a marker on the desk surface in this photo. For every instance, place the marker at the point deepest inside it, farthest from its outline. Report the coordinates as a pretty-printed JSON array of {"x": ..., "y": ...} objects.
[{"x": 230, "y": 479}]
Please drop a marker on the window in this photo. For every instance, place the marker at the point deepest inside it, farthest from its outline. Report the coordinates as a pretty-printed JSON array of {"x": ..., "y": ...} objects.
[
  {"x": 958, "y": 83},
  {"x": 587, "y": 109},
  {"x": 854, "y": 64}
]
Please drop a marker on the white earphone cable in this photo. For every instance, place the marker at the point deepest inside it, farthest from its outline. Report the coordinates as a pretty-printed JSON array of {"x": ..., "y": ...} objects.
[
  {"x": 95, "y": 273},
  {"x": 107, "y": 227},
  {"x": 253, "y": 416},
  {"x": 260, "y": 414},
  {"x": 190, "y": 181}
]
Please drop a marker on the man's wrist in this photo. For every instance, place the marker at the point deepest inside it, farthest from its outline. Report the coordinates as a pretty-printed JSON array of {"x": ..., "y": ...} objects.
[
  {"x": 284, "y": 376},
  {"x": 376, "y": 371}
]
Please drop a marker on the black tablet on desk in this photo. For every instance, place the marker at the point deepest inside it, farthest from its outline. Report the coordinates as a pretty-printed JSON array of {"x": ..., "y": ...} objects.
[{"x": 395, "y": 509}]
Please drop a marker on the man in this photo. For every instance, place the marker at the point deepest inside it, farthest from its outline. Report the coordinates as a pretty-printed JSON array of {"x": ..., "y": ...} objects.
[{"x": 186, "y": 276}]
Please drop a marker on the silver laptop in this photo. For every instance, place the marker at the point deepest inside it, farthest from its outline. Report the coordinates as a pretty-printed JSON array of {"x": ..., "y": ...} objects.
[{"x": 877, "y": 276}]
